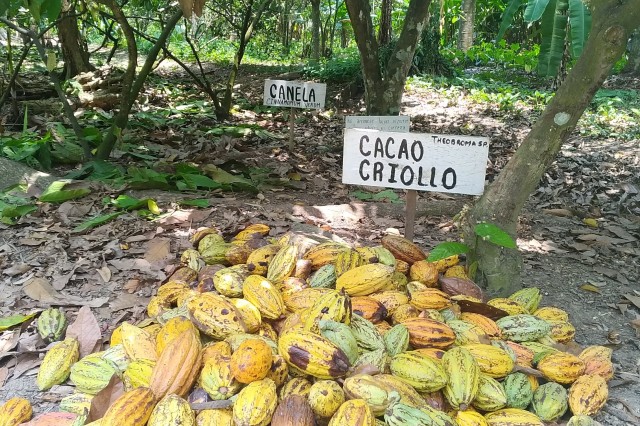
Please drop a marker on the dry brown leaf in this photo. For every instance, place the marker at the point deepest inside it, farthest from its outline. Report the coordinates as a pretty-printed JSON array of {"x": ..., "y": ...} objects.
[
  {"x": 558, "y": 212},
  {"x": 105, "y": 273},
  {"x": 9, "y": 340},
  {"x": 41, "y": 290},
  {"x": 103, "y": 399},
  {"x": 17, "y": 269},
  {"x": 87, "y": 330},
  {"x": 158, "y": 250},
  {"x": 25, "y": 362},
  {"x": 636, "y": 326},
  {"x": 633, "y": 299},
  {"x": 132, "y": 286}
]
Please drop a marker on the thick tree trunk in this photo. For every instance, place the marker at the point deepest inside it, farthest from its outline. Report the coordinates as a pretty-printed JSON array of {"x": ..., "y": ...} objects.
[
  {"x": 384, "y": 85},
  {"x": 633, "y": 64},
  {"x": 315, "y": 30},
  {"x": 384, "y": 31},
  {"x": 467, "y": 22},
  {"x": 499, "y": 269},
  {"x": 74, "y": 48}
]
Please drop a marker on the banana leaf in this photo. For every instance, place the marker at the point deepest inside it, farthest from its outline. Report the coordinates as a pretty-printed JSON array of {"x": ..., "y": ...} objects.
[
  {"x": 553, "y": 28},
  {"x": 580, "y": 25}
]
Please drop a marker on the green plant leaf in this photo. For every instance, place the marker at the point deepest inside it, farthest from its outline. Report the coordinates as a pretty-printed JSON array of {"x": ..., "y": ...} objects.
[
  {"x": 446, "y": 249},
  {"x": 96, "y": 221},
  {"x": 10, "y": 321},
  {"x": 553, "y": 28},
  {"x": 194, "y": 181},
  {"x": 580, "y": 25},
  {"x": 153, "y": 207},
  {"x": 10, "y": 211},
  {"x": 507, "y": 17},
  {"x": 197, "y": 202},
  {"x": 127, "y": 202},
  {"x": 534, "y": 10},
  {"x": 495, "y": 235},
  {"x": 61, "y": 195}
]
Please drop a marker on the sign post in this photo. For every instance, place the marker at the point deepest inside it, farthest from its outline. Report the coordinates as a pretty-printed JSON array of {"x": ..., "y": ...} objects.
[
  {"x": 294, "y": 94},
  {"x": 398, "y": 123},
  {"x": 415, "y": 161}
]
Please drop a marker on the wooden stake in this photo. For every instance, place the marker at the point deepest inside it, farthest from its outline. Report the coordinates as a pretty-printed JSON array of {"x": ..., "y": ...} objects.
[
  {"x": 410, "y": 214},
  {"x": 292, "y": 123}
]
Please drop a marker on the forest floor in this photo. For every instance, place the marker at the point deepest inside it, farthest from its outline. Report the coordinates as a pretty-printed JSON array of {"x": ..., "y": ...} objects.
[{"x": 591, "y": 272}]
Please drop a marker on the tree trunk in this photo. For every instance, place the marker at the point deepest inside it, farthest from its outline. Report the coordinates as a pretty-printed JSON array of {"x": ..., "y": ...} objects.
[
  {"x": 384, "y": 85},
  {"x": 384, "y": 31},
  {"x": 467, "y": 21},
  {"x": 74, "y": 48},
  {"x": 633, "y": 64},
  {"x": 315, "y": 30},
  {"x": 499, "y": 269}
]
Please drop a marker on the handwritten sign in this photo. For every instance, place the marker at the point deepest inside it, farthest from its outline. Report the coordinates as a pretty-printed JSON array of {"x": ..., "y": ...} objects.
[
  {"x": 393, "y": 123},
  {"x": 420, "y": 161},
  {"x": 294, "y": 94}
]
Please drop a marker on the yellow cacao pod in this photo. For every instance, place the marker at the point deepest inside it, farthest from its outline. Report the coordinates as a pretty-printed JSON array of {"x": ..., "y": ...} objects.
[
  {"x": 313, "y": 354},
  {"x": 470, "y": 418},
  {"x": 424, "y": 333},
  {"x": 56, "y": 365},
  {"x": 463, "y": 372},
  {"x": 325, "y": 397},
  {"x": 324, "y": 253},
  {"x": 512, "y": 417},
  {"x": 588, "y": 394},
  {"x": 177, "y": 367},
  {"x": 172, "y": 410},
  {"x": 15, "y": 411},
  {"x": 251, "y": 361},
  {"x": 255, "y": 404},
  {"x": 391, "y": 300},
  {"x": 76, "y": 403},
  {"x": 132, "y": 408},
  {"x": 493, "y": 361},
  {"x": 217, "y": 379},
  {"x": 283, "y": 264},
  {"x": 355, "y": 412},
  {"x": 215, "y": 316},
  {"x": 425, "y": 272},
  {"x": 172, "y": 329},
  {"x": 138, "y": 343},
  {"x": 261, "y": 292},
  {"x": 365, "y": 279},
  {"x": 138, "y": 373},
  {"x": 561, "y": 367},
  {"x": 218, "y": 417},
  {"x": 296, "y": 386}
]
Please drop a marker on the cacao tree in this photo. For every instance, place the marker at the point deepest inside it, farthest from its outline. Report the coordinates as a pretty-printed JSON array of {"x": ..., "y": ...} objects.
[
  {"x": 501, "y": 204},
  {"x": 384, "y": 82}
]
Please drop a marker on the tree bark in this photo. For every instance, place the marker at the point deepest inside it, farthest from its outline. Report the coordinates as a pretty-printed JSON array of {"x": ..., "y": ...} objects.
[
  {"x": 467, "y": 22},
  {"x": 74, "y": 48},
  {"x": 633, "y": 64},
  {"x": 499, "y": 269},
  {"x": 384, "y": 84},
  {"x": 315, "y": 30},
  {"x": 384, "y": 31}
]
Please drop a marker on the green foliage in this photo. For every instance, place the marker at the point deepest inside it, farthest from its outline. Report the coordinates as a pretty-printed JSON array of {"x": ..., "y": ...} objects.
[
  {"x": 387, "y": 195},
  {"x": 14, "y": 204},
  {"x": 28, "y": 148},
  {"x": 446, "y": 249},
  {"x": 487, "y": 231},
  {"x": 500, "y": 54},
  {"x": 341, "y": 68},
  {"x": 56, "y": 194}
]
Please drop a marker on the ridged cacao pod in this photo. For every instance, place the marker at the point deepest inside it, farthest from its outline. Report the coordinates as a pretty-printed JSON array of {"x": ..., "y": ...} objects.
[
  {"x": 561, "y": 367},
  {"x": 264, "y": 295},
  {"x": 518, "y": 389},
  {"x": 92, "y": 373},
  {"x": 403, "y": 249},
  {"x": 51, "y": 324},
  {"x": 391, "y": 300},
  {"x": 597, "y": 360},
  {"x": 217, "y": 379},
  {"x": 75, "y": 403},
  {"x": 490, "y": 396},
  {"x": 512, "y": 417},
  {"x": 368, "y": 308},
  {"x": 177, "y": 367},
  {"x": 325, "y": 397},
  {"x": 138, "y": 343},
  {"x": 15, "y": 411},
  {"x": 283, "y": 264},
  {"x": 588, "y": 394},
  {"x": 493, "y": 361},
  {"x": 56, "y": 365},
  {"x": 172, "y": 410},
  {"x": 255, "y": 404},
  {"x": 463, "y": 373},
  {"x": 550, "y": 402},
  {"x": 420, "y": 371},
  {"x": 294, "y": 410},
  {"x": 132, "y": 408},
  {"x": 218, "y": 417},
  {"x": 364, "y": 386},
  {"x": 582, "y": 420},
  {"x": 523, "y": 328},
  {"x": 313, "y": 354},
  {"x": 528, "y": 297},
  {"x": 511, "y": 307},
  {"x": 365, "y": 279},
  {"x": 424, "y": 333},
  {"x": 425, "y": 272},
  {"x": 138, "y": 373},
  {"x": 355, "y": 412},
  {"x": 215, "y": 316}
]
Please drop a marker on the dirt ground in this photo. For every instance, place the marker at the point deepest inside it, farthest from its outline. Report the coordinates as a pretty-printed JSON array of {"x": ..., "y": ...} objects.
[{"x": 592, "y": 272}]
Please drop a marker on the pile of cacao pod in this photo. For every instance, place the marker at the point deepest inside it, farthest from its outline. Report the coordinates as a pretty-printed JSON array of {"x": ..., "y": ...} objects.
[{"x": 292, "y": 331}]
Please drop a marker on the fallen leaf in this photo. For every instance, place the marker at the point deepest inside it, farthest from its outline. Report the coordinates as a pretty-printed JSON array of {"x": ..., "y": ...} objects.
[
  {"x": 558, "y": 212},
  {"x": 8, "y": 341},
  {"x": 30, "y": 242},
  {"x": 39, "y": 289},
  {"x": 131, "y": 286},
  {"x": 103, "y": 399},
  {"x": 61, "y": 282},
  {"x": 636, "y": 326},
  {"x": 633, "y": 299},
  {"x": 25, "y": 362},
  {"x": 52, "y": 419},
  {"x": 158, "y": 250},
  {"x": 17, "y": 269},
  {"x": 590, "y": 287},
  {"x": 87, "y": 330},
  {"x": 126, "y": 301},
  {"x": 12, "y": 320},
  {"x": 105, "y": 273}
]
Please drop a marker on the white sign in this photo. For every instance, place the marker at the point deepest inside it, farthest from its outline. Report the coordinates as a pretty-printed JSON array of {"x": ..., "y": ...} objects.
[
  {"x": 294, "y": 94},
  {"x": 420, "y": 161},
  {"x": 390, "y": 123}
]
